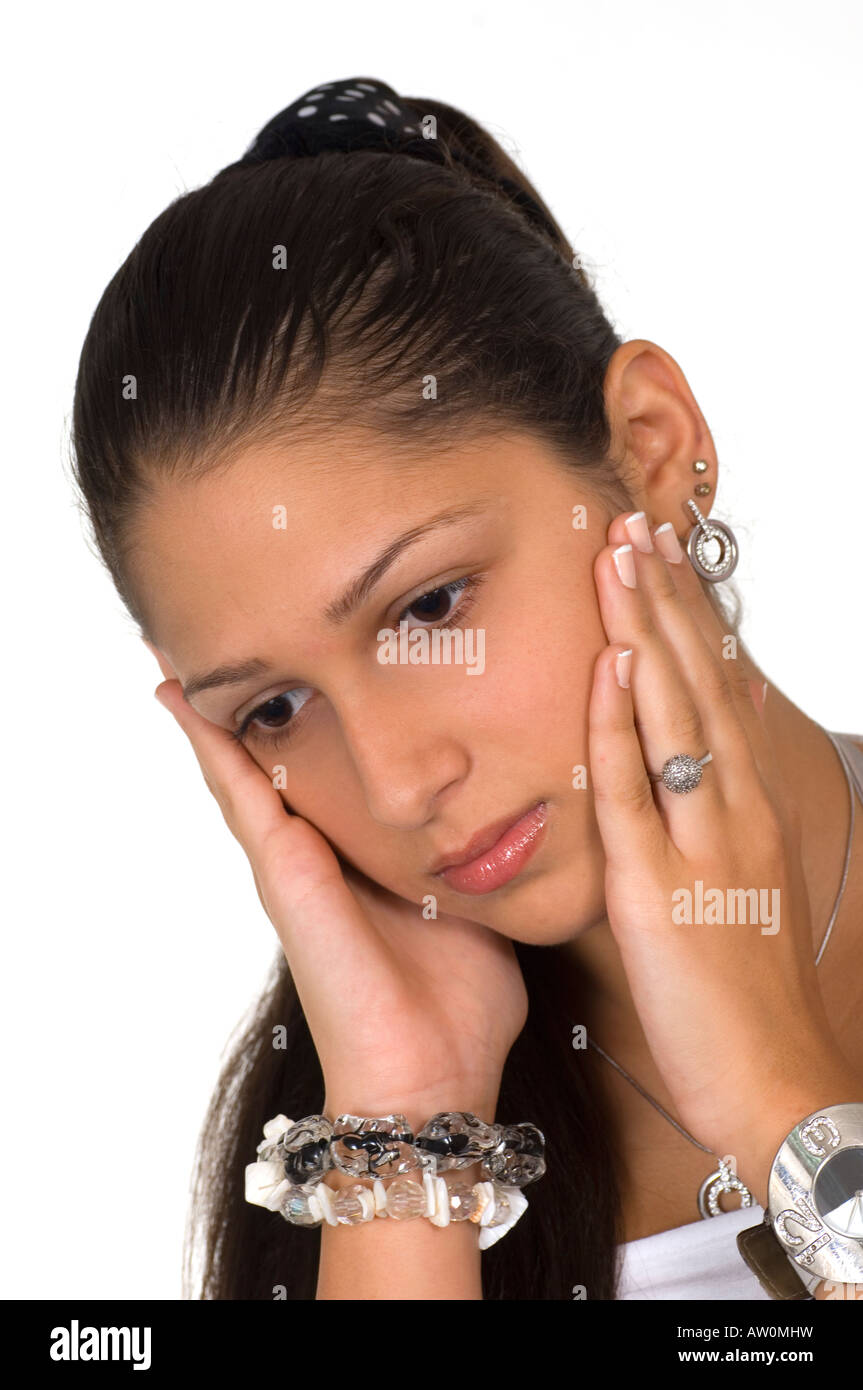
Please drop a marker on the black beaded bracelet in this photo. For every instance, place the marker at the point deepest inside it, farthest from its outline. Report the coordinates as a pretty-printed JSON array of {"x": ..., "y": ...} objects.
[{"x": 294, "y": 1158}]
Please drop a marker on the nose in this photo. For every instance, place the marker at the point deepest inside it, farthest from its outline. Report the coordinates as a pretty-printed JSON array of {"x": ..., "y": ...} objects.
[{"x": 405, "y": 752}]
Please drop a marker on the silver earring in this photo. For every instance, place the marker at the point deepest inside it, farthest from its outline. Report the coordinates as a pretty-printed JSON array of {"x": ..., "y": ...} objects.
[{"x": 706, "y": 533}]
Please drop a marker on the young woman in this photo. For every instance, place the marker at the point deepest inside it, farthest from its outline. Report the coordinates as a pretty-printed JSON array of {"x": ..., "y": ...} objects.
[{"x": 355, "y": 394}]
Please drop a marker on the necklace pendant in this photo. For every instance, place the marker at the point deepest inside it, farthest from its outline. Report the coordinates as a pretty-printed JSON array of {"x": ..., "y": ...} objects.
[{"x": 723, "y": 1180}]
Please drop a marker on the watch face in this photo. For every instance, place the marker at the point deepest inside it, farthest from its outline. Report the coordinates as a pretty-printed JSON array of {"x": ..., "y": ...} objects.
[{"x": 838, "y": 1193}]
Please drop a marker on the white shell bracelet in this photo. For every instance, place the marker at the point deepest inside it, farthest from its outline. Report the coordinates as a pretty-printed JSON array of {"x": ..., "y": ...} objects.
[
  {"x": 293, "y": 1158},
  {"x": 492, "y": 1206}
]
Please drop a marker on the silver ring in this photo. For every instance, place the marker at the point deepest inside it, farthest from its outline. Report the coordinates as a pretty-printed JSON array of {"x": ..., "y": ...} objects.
[{"x": 681, "y": 773}]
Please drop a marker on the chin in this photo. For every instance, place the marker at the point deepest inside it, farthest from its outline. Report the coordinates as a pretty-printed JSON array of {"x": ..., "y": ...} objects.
[{"x": 545, "y": 909}]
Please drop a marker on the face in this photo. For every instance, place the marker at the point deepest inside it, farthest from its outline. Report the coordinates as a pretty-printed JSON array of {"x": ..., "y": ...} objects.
[{"x": 401, "y": 750}]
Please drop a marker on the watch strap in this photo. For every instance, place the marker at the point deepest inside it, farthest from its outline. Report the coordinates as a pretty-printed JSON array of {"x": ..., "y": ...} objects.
[{"x": 771, "y": 1266}]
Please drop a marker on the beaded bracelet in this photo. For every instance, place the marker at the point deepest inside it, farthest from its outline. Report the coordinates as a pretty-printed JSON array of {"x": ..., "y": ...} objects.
[{"x": 294, "y": 1157}]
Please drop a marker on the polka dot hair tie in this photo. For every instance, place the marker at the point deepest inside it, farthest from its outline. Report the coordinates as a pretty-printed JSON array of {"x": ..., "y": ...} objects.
[
  {"x": 356, "y": 113},
  {"x": 362, "y": 113}
]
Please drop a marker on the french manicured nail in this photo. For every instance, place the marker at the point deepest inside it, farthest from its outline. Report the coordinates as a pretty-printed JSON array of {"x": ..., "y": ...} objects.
[
  {"x": 637, "y": 526},
  {"x": 667, "y": 543},
  {"x": 623, "y": 666},
  {"x": 625, "y": 563}
]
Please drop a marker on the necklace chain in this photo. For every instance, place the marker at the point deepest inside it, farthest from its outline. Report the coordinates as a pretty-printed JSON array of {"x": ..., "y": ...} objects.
[{"x": 631, "y": 1079}]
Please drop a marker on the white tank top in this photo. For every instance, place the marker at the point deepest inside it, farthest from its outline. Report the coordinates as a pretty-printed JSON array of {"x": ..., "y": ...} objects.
[{"x": 701, "y": 1259}]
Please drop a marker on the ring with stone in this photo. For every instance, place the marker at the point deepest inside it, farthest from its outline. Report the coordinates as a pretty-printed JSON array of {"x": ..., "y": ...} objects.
[{"x": 681, "y": 773}]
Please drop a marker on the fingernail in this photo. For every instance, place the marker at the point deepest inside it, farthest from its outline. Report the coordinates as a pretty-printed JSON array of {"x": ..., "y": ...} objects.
[
  {"x": 623, "y": 666},
  {"x": 758, "y": 691},
  {"x": 637, "y": 526},
  {"x": 667, "y": 543},
  {"x": 625, "y": 563}
]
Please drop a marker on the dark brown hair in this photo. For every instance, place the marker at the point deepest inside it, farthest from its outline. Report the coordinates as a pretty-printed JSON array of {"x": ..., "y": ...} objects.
[{"x": 395, "y": 268}]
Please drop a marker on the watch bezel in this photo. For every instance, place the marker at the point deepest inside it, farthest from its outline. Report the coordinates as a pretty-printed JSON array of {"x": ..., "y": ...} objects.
[{"x": 811, "y": 1245}]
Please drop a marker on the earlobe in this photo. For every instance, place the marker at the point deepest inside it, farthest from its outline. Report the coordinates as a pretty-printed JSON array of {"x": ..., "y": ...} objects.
[{"x": 164, "y": 666}]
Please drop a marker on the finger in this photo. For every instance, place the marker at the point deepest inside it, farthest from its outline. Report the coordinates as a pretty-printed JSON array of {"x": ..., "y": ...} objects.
[
  {"x": 728, "y": 651},
  {"x": 666, "y": 716},
  {"x": 747, "y": 695},
  {"x": 280, "y": 846},
  {"x": 734, "y": 766},
  {"x": 246, "y": 797},
  {"x": 629, "y": 821},
  {"x": 299, "y": 881}
]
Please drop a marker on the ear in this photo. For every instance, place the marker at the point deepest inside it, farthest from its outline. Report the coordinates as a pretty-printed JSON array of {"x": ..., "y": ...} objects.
[{"x": 164, "y": 666}]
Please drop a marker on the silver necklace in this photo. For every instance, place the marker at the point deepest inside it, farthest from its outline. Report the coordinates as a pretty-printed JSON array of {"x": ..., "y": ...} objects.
[{"x": 724, "y": 1179}]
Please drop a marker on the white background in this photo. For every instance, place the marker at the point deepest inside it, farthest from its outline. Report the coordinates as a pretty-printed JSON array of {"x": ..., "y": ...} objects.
[{"x": 705, "y": 161}]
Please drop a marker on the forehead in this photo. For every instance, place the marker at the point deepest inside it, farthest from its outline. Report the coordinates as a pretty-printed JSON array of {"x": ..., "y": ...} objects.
[
  {"x": 281, "y": 527},
  {"x": 327, "y": 485}
]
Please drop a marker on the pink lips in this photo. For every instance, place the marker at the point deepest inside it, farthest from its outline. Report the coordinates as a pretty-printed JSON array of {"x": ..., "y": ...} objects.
[{"x": 502, "y": 860}]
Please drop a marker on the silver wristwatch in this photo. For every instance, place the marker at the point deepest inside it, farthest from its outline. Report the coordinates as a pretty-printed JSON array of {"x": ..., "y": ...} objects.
[{"x": 815, "y": 1205}]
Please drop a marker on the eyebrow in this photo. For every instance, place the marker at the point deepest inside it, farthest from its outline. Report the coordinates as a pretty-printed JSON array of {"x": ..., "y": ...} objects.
[{"x": 341, "y": 608}]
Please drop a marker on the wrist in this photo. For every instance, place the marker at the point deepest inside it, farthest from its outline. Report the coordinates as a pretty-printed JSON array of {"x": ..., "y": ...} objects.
[
  {"x": 820, "y": 1082},
  {"x": 417, "y": 1106}
]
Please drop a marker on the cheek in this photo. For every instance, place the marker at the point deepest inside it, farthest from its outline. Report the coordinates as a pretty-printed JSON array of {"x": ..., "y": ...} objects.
[
  {"x": 539, "y": 674},
  {"x": 313, "y": 778}
]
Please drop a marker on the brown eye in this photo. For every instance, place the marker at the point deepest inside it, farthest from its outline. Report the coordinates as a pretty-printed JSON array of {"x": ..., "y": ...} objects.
[
  {"x": 276, "y": 714},
  {"x": 432, "y": 607},
  {"x": 438, "y": 604}
]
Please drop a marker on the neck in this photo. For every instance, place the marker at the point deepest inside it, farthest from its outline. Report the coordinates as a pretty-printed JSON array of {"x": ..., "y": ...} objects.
[{"x": 816, "y": 782}]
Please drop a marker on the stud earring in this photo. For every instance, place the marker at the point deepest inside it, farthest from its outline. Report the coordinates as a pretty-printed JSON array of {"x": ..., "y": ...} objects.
[
  {"x": 701, "y": 489},
  {"x": 714, "y": 534}
]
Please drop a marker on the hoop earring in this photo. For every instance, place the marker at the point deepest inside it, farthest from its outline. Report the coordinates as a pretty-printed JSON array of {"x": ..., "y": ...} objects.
[{"x": 701, "y": 535}]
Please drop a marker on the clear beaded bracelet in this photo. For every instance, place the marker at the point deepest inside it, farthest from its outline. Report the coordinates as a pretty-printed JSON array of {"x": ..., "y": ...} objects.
[{"x": 295, "y": 1156}]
